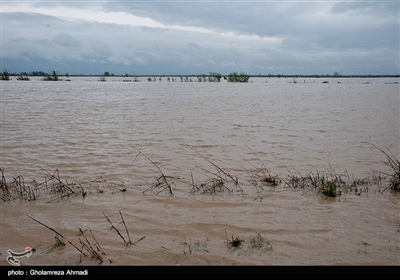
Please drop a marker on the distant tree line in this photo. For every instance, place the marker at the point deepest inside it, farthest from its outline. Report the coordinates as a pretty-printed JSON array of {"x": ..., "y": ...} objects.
[
  {"x": 210, "y": 77},
  {"x": 38, "y": 73}
]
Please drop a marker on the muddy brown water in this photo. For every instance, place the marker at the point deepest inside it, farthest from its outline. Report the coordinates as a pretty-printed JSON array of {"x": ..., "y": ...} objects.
[{"x": 115, "y": 138}]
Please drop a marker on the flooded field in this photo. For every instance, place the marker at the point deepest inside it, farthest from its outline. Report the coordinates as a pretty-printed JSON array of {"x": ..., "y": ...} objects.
[{"x": 199, "y": 173}]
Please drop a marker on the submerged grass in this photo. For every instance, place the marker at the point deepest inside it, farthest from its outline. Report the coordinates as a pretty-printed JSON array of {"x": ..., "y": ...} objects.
[
  {"x": 194, "y": 246},
  {"x": 254, "y": 243},
  {"x": 92, "y": 247},
  {"x": 234, "y": 243},
  {"x": 332, "y": 184},
  {"x": 328, "y": 183},
  {"x": 394, "y": 164},
  {"x": 52, "y": 188}
]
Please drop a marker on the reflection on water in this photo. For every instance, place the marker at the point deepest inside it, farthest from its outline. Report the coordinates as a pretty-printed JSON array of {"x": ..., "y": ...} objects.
[{"x": 126, "y": 133}]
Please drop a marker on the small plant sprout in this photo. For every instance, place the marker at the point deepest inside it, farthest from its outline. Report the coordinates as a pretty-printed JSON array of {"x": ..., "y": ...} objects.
[
  {"x": 194, "y": 246},
  {"x": 234, "y": 243},
  {"x": 259, "y": 243}
]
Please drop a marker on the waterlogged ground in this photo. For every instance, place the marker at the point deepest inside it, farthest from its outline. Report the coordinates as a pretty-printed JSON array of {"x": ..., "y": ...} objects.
[{"x": 90, "y": 157}]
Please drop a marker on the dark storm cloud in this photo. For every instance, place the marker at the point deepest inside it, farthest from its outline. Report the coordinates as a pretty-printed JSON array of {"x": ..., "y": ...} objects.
[
  {"x": 298, "y": 37},
  {"x": 259, "y": 18},
  {"x": 379, "y": 8}
]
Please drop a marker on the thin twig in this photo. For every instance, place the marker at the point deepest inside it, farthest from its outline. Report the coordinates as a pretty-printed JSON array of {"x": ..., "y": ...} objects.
[
  {"x": 139, "y": 240},
  {"x": 123, "y": 221},
  {"x": 216, "y": 166},
  {"x": 97, "y": 243},
  {"x": 162, "y": 174},
  {"x": 113, "y": 227},
  {"x": 56, "y": 233}
]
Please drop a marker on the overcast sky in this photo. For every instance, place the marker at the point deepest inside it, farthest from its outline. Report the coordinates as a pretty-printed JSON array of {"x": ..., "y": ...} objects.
[{"x": 198, "y": 37}]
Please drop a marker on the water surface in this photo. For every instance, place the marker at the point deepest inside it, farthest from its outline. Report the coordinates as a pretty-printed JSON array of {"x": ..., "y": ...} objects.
[{"x": 117, "y": 135}]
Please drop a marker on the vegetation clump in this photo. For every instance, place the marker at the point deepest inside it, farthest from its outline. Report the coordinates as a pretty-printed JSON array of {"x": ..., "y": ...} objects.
[
  {"x": 23, "y": 77},
  {"x": 162, "y": 182},
  {"x": 238, "y": 78},
  {"x": 234, "y": 243},
  {"x": 5, "y": 76},
  {"x": 263, "y": 175},
  {"x": 331, "y": 184},
  {"x": 329, "y": 188},
  {"x": 195, "y": 246},
  {"x": 52, "y": 187},
  {"x": 51, "y": 77},
  {"x": 256, "y": 243},
  {"x": 212, "y": 186}
]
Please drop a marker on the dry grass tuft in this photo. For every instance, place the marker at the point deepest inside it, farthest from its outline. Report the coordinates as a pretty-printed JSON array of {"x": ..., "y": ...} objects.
[{"x": 394, "y": 164}]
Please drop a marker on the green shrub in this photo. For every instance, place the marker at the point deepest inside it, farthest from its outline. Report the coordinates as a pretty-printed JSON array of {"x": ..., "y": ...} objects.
[
  {"x": 238, "y": 78},
  {"x": 329, "y": 188}
]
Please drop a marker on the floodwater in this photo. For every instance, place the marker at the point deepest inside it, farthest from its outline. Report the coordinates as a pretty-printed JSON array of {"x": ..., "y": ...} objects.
[{"x": 113, "y": 142}]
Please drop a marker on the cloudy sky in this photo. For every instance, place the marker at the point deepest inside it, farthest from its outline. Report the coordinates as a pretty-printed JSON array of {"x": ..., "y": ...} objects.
[{"x": 196, "y": 37}]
